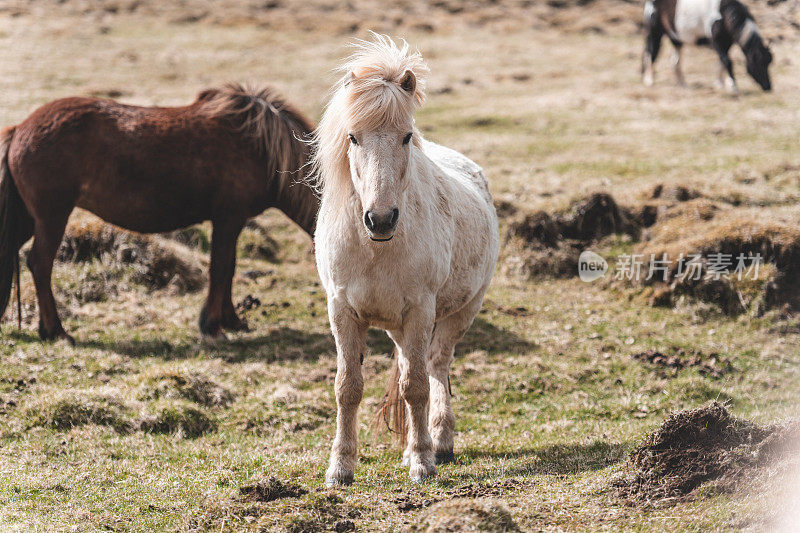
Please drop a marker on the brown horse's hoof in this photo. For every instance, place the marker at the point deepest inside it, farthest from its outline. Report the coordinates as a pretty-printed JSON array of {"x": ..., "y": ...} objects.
[
  {"x": 56, "y": 336},
  {"x": 214, "y": 339},
  {"x": 235, "y": 324}
]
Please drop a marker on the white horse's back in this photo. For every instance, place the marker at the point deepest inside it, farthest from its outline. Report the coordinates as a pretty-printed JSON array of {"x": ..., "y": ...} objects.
[{"x": 457, "y": 166}]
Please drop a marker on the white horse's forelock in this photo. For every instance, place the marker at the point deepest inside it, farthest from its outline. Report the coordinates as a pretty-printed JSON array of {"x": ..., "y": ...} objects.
[{"x": 367, "y": 96}]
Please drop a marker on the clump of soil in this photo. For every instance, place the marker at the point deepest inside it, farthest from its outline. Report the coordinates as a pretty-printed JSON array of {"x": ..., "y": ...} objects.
[
  {"x": 484, "y": 490},
  {"x": 713, "y": 365},
  {"x": 179, "y": 418},
  {"x": 467, "y": 514},
  {"x": 540, "y": 244},
  {"x": 697, "y": 446},
  {"x": 192, "y": 386},
  {"x": 410, "y": 501},
  {"x": 248, "y": 303},
  {"x": 157, "y": 263},
  {"x": 266, "y": 490}
]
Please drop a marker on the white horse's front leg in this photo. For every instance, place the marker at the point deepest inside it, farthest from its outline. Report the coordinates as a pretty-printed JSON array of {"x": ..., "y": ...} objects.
[
  {"x": 350, "y": 335},
  {"x": 414, "y": 389}
]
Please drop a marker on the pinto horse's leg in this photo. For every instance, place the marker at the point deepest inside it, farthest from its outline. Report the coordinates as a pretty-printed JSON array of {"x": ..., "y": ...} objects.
[
  {"x": 413, "y": 346},
  {"x": 441, "y": 419},
  {"x": 721, "y": 41},
  {"x": 220, "y": 274},
  {"x": 46, "y": 239},
  {"x": 350, "y": 335},
  {"x": 652, "y": 45},
  {"x": 676, "y": 64}
]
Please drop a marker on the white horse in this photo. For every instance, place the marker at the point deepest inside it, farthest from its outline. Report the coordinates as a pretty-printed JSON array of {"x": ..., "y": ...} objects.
[{"x": 406, "y": 240}]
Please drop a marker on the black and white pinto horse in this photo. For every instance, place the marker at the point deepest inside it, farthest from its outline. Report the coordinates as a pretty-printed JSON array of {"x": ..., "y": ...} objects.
[{"x": 720, "y": 23}]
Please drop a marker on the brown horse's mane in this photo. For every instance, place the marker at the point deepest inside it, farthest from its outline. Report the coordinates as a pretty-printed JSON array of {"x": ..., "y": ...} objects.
[{"x": 278, "y": 130}]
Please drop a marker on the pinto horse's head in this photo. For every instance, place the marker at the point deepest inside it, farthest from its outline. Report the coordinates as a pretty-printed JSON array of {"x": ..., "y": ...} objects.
[
  {"x": 369, "y": 127},
  {"x": 759, "y": 58}
]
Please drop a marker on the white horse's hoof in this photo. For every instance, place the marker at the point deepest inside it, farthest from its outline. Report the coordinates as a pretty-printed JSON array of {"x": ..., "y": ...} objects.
[
  {"x": 337, "y": 476},
  {"x": 333, "y": 483},
  {"x": 420, "y": 472},
  {"x": 339, "y": 480}
]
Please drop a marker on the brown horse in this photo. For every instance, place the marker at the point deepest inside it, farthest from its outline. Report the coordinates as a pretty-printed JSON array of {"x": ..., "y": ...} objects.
[{"x": 227, "y": 157}]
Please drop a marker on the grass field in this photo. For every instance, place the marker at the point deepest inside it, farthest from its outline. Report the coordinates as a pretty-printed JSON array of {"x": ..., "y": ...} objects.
[{"x": 145, "y": 427}]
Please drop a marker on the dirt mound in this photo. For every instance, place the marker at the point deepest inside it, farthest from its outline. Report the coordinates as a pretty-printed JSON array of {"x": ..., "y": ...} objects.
[
  {"x": 179, "y": 418},
  {"x": 266, "y": 490},
  {"x": 66, "y": 409},
  {"x": 196, "y": 237},
  {"x": 696, "y": 446},
  {"x": 192, "y": 386},
  {"x": 322, "y": 512},
  {"x": 411, "y": 501},
  {"x": 256, "y": 243},
  {"x": 466, "y": 514},
  {"x": 710, "y": 251},
  {"x": 541, "y": 244},
  {"x": 157, "y": 263},
  {"x": 676, "y": 192},
  {"x": 595, "y": 217},
  {"x": 713, "y": 365}
]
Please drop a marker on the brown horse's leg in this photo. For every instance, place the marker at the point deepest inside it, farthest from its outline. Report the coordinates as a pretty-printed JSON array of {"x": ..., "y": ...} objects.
[
  {"x": 46, "y": 239},
  {"x": 230, "y": 320},
  {"x": 223, "y": 262}
]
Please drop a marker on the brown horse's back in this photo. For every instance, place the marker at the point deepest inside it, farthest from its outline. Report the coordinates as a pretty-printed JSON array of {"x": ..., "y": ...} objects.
[{"x": 147, "y": 169}]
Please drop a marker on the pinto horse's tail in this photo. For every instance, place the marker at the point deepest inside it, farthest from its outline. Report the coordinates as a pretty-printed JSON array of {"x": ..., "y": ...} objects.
[
  {"x": 392, "y": 410},
  {"x": 15, "y": 227}
]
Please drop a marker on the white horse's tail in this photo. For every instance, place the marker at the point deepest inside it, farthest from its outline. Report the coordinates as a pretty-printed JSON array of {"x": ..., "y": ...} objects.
[{"x": 391, "y": 413}]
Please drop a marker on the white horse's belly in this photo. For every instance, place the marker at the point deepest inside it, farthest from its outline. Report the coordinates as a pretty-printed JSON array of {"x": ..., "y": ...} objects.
[{"x": 694, "y": 18}]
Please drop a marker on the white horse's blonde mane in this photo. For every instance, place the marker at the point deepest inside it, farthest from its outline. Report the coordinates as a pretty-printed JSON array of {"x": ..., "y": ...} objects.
[{"x": 367, "y": 96}]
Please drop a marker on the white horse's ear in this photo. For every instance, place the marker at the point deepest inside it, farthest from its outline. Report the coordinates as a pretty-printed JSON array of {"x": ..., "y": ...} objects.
[
  {"x": 408, "y": 82},
  {"x": 348, "y": 78}
]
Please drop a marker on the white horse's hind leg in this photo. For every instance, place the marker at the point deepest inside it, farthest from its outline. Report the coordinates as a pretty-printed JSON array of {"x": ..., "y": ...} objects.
[
  {"x": 441, "y": 419},
  {"x": 350, "y": 336},
  {"x": 412, "y": 351}
]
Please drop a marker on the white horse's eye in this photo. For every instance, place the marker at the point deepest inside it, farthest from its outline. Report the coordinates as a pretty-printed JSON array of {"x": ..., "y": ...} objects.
[
  {"x": 352, "y": 138},
  {"x": 407, "y": 138}
]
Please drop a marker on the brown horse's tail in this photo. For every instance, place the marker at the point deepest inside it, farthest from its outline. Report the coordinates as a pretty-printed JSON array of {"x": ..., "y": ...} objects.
[
  {"x": 392, "y": 410},
  {"x": 15, "y": 226}
]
